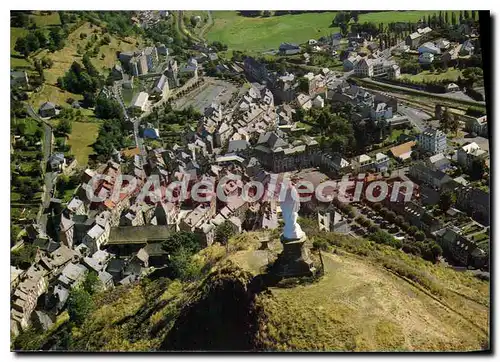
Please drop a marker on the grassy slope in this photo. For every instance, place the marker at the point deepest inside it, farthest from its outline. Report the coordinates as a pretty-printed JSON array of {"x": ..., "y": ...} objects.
[
  {"x": 66, "y": 56},
  {"x": 83, "y": 135},
  {"x": 41, "y": 21},
  {"x": 359, "y": 305},
  {"x": 451, "y": 73}
]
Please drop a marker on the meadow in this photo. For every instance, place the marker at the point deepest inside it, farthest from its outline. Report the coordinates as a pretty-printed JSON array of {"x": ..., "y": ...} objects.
[
  {"x": 427, "y": 76},
  {"x": 265, "y": 33},
  {"x": 82, "y": 136},
  {"x": 261, "y": 34}
]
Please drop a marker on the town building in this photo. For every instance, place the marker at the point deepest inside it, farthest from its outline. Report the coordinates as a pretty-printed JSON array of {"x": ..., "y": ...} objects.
[
  {"x": 432, "y": 140},
  {"x": 479, "y": 126},
  {"x": 47, "y": 109},
  {"x": 469, "y": 152},
  {"x": 426, "y": 58},
  {"x": 139, "y": 103}
]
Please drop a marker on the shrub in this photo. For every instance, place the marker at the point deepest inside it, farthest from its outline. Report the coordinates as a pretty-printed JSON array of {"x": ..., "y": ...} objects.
[
  {"x": 79, "y": 305},
  {"x": 320, "y": 244},
  {"x": 412, "y": 230},
  {"x": 419, "y": 235},
  {"x": 183, "y": 266}
]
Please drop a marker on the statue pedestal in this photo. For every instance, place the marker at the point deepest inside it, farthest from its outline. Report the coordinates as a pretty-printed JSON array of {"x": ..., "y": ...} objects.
[{"x": 294, "y": 260}]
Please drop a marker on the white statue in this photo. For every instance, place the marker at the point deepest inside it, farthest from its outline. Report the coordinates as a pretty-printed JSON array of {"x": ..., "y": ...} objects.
[{"x": 290, "y": 207}]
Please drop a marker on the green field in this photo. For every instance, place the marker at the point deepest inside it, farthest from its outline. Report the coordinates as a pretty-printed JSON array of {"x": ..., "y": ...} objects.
[
  {"x": 260, "y": 34},
  {"x": 451, "y": 73},
  {"x": 16, "y": 60},
  {"x": 46, "y": 19},
  {"x": 82, "y": 136}
]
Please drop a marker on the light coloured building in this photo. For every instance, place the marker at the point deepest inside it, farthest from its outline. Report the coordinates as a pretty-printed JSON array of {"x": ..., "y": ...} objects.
[
  {"x": 362, "y": 163},
  {"x": 468, "y": 153},
  {"x": 432, "y": 140},
  {"x": 25, "y": 296},
  {"x": 140, "y": 101}
]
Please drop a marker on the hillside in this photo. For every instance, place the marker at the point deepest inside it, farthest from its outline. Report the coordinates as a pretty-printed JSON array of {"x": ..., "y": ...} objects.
[
  {"x": 371, "y": 298},
  {"x": 75, "y": 45}
]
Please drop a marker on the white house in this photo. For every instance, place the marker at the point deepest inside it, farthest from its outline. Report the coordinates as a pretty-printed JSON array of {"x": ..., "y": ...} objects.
[
  {"x": 467, "y": 153},
  {"x": 304, "y": 101},
  {"x": 362, "y": 163},
  {"x": 452, "y": 87},
  {"x": 432, "y": 140},
  {"x": 140, "y": 101}
]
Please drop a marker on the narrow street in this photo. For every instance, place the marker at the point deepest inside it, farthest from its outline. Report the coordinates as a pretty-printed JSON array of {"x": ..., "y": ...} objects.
[{"x": 50, "y": 177}]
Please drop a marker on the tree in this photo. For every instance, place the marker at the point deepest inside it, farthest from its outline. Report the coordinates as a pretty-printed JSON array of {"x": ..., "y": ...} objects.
[
  {"x": 342, "y": 17},
  {"x": 224, "y": 232},
  {"x": 477, "y": 168},
  {"x": 24, "y": 256},
  {"x": 303, "y": 85},
  {"x": 188, "y": 241},
  {"x": 19, "y": 19},
  {"x": 92, "y": 283},
  {"x": 419, "y": 235},
  {"x": 400, "y": 220},
  {"x": 64, "y": 127},
  {"x": 446, "y": 200},
  {"x": 56, "y": 38},
  {"x": 391, "y": 216},
  {"x": 80, "y": 305},
  {"x": 438, "y": 111},
  {"x": 412, "y": 230},
  {"x": 383, "y": 237},
  {"x": 355, "y": 16},
  {"x": 343, "y": 29},
  {"x": 446, "y": 121},
  {"x": 47, "y": 62},
  {"x": 89, "y": 99},
  {"x": 454, "y": 124},
  {"x": 446, "y": 17},
  {"x": 107, "y": 108},
  {"x": 453, "y": 18},
  {"x": 472, "y": 75},
  {"x": 183, "y": 266}
]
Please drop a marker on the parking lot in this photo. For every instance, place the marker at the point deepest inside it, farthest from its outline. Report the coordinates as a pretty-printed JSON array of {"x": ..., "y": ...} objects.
[
  {"x": 217, "y": 91},
  {"x": 358, "y": 230}
]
